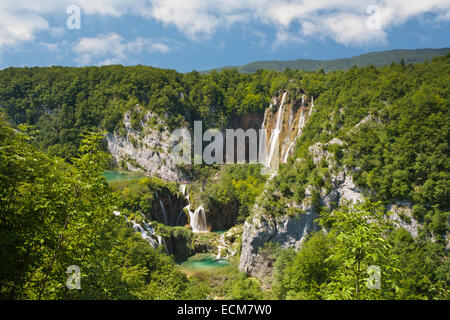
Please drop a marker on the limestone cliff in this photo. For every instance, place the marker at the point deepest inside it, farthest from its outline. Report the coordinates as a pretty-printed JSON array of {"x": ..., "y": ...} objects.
[{"x": 147, "y": 150}]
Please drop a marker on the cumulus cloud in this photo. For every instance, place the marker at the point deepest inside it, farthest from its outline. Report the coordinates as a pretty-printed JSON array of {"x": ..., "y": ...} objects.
[
  {"x": 344, "y": 21},
  {"x": 114, "y": 49}
]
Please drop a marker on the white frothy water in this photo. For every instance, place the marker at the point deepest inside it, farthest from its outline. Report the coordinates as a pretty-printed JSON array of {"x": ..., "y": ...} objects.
[
  {"x": 273, "y": 141},
  {"x": 147, "y": 234},
  {"x": 222, "y": 245},
  {"x": 198, "y": 220},
  {"x": 312, "y": 106}
]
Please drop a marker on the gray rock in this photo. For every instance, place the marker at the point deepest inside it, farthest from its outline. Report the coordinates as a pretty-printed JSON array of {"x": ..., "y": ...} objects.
[
  {"x": 148, "y": 151},
  {"x": 286, "y": 231}
]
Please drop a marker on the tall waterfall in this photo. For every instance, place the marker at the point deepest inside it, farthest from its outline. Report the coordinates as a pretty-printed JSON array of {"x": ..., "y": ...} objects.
[
  {"x": 273, "y": 141},
  {"x": 282, "y": 134},
  {"x": 312, "y": 106}
]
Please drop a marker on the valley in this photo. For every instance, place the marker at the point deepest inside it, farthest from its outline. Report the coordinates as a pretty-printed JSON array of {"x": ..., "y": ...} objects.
[{"x": 352, "y": 172}]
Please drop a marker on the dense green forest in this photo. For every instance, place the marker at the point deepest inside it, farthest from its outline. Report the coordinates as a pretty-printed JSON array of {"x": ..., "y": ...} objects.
[{"x": 57, "y": 207}]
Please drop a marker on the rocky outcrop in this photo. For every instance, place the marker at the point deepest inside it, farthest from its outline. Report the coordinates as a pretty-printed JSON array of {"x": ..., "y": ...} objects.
[
  {"x": 148, "y": 150},
  {"x": 401, "y": 217},
  {"x": 287, "y": 231}
]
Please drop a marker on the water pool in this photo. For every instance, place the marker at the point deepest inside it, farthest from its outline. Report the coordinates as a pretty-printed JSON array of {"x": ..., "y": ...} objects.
[{"x": 203, "y": 262}]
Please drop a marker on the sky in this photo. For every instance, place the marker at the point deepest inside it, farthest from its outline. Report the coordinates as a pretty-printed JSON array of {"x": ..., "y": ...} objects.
[{"x": 203, "y": 34}]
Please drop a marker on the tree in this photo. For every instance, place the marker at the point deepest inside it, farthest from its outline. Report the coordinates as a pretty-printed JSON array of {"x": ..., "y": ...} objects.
[{"x": 359, "y": 233}]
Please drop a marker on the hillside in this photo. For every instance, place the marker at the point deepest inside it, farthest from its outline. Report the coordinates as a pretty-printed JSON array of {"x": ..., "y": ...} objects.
[{"x": 377, "y": 59}]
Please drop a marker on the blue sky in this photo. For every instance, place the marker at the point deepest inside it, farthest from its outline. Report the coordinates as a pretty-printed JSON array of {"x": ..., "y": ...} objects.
[{"x": 203, "y": 34}]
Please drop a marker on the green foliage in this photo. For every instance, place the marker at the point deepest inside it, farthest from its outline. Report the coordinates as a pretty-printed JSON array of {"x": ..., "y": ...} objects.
[
  {"x": 142, "y": 195},
  {"x": 359, "y": 243},
  {"x": 236, "y": 187},
  {"x": 398, "y": 153},
  {"x": 304, "y": 275},
  {"x": 55, "y": 215}
]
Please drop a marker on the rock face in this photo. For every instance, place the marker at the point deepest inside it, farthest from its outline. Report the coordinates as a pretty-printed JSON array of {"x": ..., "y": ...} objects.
[
  {"x": 285, "y": 231},
  {"x": 148, "y": 151},
  {"x": 289, "y": 231}
]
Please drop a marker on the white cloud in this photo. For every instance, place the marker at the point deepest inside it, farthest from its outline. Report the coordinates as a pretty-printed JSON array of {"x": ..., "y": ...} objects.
[
  {"x": 341, "y": 20},
  {"x": 114, "y": 49},
  {"x": 344, "y": 21}
]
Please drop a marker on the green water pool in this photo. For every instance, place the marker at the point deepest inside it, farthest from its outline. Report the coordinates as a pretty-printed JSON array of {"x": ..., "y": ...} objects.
[
  {"x": 111, "y": 175},
  {"x": 203, "y": 262}
]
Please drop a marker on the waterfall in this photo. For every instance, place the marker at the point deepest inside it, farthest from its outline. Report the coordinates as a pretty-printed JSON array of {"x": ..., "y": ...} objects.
[
  {"x": 148, "y": 234},
  {"x": 163, "y": 211},
  {"x": 222, "y": 245},
  {"x": 273, "y": 141},
  {"x": 301, "y": 124},
  {"x": 198, "y": 220},
  {"x": 162, "y": 242},
  {"x": 183, "y": 188},
  {"x": 312, "y": 106},
  {"x": 137, "y": 227},
  {"x": 179, "y": 217},
  {"x": 262, "y": 143}
]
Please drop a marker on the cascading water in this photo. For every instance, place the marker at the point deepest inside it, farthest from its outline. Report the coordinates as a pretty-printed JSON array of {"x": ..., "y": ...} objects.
[
  {"x": 222, "y": 245},
  {"x": 273, "y": 141},
  {"x": 147, "y": 234},
  {"x": 198, "y": 220}
]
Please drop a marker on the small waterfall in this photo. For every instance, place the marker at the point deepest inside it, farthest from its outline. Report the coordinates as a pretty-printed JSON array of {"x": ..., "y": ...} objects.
[
  {"x": 162, "y": 242},
  {"x": 183, "y": 188},
  {"x": 273, "y": 141},
  {"x": 137, "y": 227},
  {"x": 262, "y": 142},
  {"x": 198, "y": 220},
  {"x": 222, "y": 245},
  {"x": 163, "y": 211},
  {"x": 179, "y": 217},
  {"x": 147, "y": 234}
]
